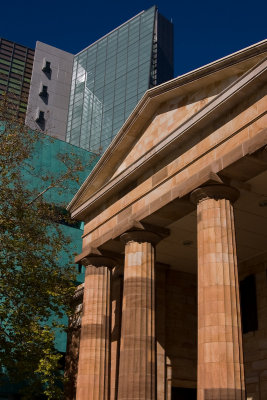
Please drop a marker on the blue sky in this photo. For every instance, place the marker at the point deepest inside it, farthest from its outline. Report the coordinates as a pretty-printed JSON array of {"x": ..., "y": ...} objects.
[{"x": 203, "y": 30}]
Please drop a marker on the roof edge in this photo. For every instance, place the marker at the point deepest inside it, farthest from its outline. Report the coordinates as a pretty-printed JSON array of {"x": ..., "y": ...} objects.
[{"x": 227, "y": 61}]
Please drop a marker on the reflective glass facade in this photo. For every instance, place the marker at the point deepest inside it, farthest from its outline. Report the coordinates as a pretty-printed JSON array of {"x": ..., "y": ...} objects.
[{"x": 110, "y": 77}]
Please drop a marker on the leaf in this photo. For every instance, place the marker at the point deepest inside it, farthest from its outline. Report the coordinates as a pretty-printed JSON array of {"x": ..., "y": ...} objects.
[{"x": 36, "y": 263}]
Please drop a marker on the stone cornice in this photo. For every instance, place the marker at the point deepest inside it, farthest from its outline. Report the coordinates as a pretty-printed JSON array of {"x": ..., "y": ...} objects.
[
  {"x": 231, "y": 95},
  {"x": 151, "y": 100},
  {"x": 134, "y": 230}
]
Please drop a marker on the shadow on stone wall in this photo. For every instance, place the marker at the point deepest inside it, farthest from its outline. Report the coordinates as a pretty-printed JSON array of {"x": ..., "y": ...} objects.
[{"x": 224, "y": 394}]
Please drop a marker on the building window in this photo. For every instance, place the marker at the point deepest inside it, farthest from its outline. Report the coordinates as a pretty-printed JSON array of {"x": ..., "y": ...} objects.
[
  {"x": 43, "y": 92},
  {"x": 46, "y": 67},
  {"x": 40, "y": 116},
  {"x": 248, "y": 304}
]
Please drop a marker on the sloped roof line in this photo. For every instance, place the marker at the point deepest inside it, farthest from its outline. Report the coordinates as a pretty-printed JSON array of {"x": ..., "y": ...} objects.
[
  {"x": 208, "y": 111},
  {"x": 191, "y": 76}
]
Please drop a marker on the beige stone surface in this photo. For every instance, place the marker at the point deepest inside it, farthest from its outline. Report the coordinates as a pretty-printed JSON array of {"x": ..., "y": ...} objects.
[
  {"x": 185, "y": 173},
  {"x": 225, "y": 143},
  {"x": 137, "y": 374},
  {"x": 220, "y": 351},
  {"x": 241, "y": 63},
  {"x": 94, "y": 353},
  {"x": 170, "y": 116},
  {"x": 207, "y": 126}
]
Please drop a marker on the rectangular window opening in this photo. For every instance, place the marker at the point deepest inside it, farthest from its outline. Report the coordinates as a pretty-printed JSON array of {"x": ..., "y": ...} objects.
[{"x": 248, "y": 304}]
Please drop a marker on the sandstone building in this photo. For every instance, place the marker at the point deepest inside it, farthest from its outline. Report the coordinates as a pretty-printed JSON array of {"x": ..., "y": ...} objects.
[{"x": 175, "y": 218}]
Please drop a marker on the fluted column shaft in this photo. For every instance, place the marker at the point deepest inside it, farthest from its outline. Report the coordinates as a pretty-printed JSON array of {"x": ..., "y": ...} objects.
[
  {"x": 138, "y": 349},
  {"x": 93, "y": 367},
  {"x": 220, "y": 353}
]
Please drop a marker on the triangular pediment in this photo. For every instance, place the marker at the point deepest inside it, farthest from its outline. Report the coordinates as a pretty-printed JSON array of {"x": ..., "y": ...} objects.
[
  {"x": 159, "y": 115},
  {"x": 172, "y": 114}
]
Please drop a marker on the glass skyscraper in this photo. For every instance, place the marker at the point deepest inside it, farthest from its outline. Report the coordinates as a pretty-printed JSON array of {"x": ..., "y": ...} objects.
[{"x": 111, "y": 75}]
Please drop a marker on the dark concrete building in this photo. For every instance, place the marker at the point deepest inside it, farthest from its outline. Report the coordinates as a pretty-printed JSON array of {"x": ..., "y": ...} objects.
[{"x": 16, "y": 63}]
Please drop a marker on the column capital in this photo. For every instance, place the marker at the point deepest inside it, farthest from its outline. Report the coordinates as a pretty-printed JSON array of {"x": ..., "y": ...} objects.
[
  {"x": 98, "y": 259},
  {"x": 216, "y": 192},
  {"x": 78, "y": 294},
  {"x": 147, "y": 233}
]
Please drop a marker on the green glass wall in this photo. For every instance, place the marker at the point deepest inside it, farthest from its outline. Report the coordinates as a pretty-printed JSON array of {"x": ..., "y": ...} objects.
[
  {"x": 109, "y": 78},
  {"x": 45, "y": 160}
]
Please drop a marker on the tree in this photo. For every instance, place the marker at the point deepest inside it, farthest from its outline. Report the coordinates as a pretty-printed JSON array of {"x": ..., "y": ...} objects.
[{"x": 36, "y": 289}]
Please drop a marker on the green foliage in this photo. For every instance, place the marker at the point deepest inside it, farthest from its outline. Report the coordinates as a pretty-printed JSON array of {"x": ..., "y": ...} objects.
[{"x": 35, "y": 287}]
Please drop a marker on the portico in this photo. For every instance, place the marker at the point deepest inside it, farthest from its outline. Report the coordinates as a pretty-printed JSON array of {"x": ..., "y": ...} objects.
[{"x": 174, "y": 218}]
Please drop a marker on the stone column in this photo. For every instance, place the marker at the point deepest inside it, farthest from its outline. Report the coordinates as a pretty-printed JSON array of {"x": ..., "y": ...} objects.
[
  {"x": 220, "y": 352},
  {"x": 137, "y": 373},
  {"x": 94, "y": 354}
]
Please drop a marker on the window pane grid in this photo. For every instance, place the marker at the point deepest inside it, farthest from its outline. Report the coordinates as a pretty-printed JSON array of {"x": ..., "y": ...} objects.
[{"x": 108, "y": 79}]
